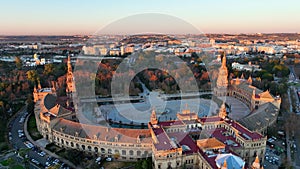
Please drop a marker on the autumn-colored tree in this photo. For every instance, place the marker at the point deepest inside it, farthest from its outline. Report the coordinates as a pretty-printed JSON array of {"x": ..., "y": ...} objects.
[
  {"x": 49, "y": 69},
  {"x": 19, "y": 63},
  {"x": 32, "y": 76}
]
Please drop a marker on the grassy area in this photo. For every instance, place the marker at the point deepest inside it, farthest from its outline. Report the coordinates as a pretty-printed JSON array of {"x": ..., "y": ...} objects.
[
  {"x": 8, "y": 162},
  {"x": 117, "y": 164},
  {"x": 53, "y": 148},
  {"x": 11, "y": 163},
  {"x": 32, "y": 128},
  {"x": 17, "y": 167},
  {"x": 3, "y": 135}
]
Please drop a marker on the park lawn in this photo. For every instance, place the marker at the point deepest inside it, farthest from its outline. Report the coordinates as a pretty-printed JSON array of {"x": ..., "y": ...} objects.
[
  {"x": 32, "y": 128},
  {"x": 117, "y": 164},
  {"x": 7, "y": 162},
  {"x": 17, "y": 167}
]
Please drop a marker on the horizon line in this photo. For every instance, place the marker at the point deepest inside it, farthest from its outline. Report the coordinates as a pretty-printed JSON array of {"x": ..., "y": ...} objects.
[{"x": 230, "y": 33}]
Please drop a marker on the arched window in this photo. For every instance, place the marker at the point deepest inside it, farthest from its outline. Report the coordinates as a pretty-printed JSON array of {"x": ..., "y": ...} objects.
[
  {"x": 96, "y": 149},
  {"x": 131, "y": 152},
  {"x": 90, "y": 148},
  {"x": 83, "y": 147},
  {"x": 72, "y": 144},
  {"x": 138, "y": 153},
  {"x": 102, "y": 150},
  {"x": 109, "y": 151}
]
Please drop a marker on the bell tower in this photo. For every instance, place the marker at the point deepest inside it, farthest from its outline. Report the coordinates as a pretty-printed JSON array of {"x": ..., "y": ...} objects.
[
  {"x": 153, "y": 118},
  {"x": 70, "y": 79},
  {"x": 222, "y": 111},
  {"x": 222, "y": 80}
]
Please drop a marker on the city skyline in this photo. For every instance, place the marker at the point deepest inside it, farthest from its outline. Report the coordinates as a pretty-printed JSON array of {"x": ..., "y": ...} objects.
[{"x": 77, "y": 18}]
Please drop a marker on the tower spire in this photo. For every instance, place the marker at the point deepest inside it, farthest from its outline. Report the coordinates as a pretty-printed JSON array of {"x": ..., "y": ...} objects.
[
  {"x": 222, "y": 111},
  {"x": 222, "y": 79},
  {"x": 249, "y": 80},
  {"x": 153, "y": 118},
  {"x": 39, "y": 84},
  {"x": 70, "y": 79},
  {"x": 256, "y": 163},
  {"x": 69, "y": 64},
  {"x": 224, "y": 60}
]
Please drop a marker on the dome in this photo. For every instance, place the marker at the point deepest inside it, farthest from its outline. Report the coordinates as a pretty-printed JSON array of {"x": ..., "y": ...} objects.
[
  {"x": 49, "y": 101},
  {"x": 232, "y": 161}
]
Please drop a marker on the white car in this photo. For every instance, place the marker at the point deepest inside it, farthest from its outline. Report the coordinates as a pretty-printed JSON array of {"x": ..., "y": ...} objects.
[
  {"x": 35, "y": 161},
  {"x": 98, "y": 159},
  {"x": 56, "y": 161},
  {"x": 28, "y": 144},
  {"x": 42, "y": 153},
  {"x": 108, "y": 159}
]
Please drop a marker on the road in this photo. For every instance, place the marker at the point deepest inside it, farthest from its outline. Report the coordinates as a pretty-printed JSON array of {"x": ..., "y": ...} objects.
[
  {"x": 16, "y": 125},
  {"x": 292, "y": 92},
  {"x": 18, "y": 143}
]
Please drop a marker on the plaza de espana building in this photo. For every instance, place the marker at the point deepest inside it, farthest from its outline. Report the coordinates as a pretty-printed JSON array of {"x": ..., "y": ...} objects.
[{"x": 192, "y": 142}]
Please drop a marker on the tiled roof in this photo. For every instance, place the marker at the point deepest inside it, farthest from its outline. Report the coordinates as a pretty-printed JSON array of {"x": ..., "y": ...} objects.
[
  {"x": 249, "y": 88},
  {"x": 164, "y": 143},
  {"x": 260, "y": 117},
  {"x": 266, "y": 95},
  {"x": 170, "y": 123},
  {"x": 101, "y": 132},
  {"x": 183, "y": 139},
  {"x": 244, "y": 132},
  {"x": 210, "y": 119},
  {"x": 210, "y": 143}
]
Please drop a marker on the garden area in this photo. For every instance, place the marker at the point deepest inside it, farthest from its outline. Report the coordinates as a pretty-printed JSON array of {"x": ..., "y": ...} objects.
[
  {"x": 11, "y": 163},
  {"x": 32, "y": 128}
]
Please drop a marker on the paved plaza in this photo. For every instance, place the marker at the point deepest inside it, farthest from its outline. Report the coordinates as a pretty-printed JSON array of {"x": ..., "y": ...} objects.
[
  {"x": 166, "y": 110},
  {"x": 238, "y": 108}
]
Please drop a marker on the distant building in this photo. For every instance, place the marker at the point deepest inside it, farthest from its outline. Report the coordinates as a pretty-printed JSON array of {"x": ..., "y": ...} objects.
[{"x": 249, "y": 67}]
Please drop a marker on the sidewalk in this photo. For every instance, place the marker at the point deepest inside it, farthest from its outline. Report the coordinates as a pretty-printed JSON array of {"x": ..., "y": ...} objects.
[{"x": 45, "y": 150}]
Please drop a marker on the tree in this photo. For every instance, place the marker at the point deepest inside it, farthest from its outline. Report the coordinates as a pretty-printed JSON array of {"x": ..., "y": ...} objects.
[
  {"x": 2, "y": 105},
  {"x": 30, "y": 103},
  {"x": 145, "y": 164},
  {"x": 32, "y": 76},
  {"x": 49, "y": 69},
  {"x": 18, "y": 62}
]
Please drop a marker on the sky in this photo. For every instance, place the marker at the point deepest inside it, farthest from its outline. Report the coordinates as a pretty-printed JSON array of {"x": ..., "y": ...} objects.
[{"x": 77, "y": 17}]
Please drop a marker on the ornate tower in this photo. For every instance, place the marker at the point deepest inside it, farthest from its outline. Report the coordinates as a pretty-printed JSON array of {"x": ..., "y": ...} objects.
[
  {"x": 222, "y": 81},
  {"x": 256, "y": 163},
  {"x": 222, "y": 111},
  {"x": 249, "y": 81},
  {"x": 70, "y": 79},
  {"x": 153, "y": 118}
]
